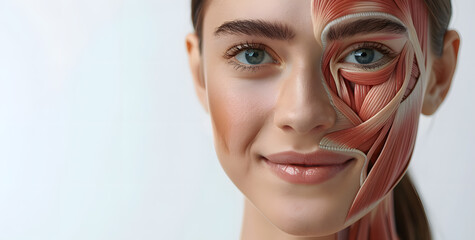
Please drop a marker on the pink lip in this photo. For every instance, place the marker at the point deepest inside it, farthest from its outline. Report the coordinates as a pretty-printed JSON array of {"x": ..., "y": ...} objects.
[{"x": 310, "y": 168}]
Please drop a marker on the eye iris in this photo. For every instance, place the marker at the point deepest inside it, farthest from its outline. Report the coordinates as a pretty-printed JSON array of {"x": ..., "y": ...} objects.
[
  {"x": 254, "y": 56},
  {"x": 364, "y": 55}
]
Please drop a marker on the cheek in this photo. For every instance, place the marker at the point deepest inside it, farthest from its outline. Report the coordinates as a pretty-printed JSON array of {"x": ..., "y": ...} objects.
[{"x": 238, "y": 109}]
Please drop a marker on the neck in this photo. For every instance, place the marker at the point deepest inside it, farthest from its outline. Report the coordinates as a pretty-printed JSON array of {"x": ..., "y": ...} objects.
[{"x": 256, "y": 227}]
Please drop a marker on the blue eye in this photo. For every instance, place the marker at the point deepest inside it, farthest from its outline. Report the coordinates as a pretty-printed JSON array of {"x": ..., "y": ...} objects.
[
  {"x": 364, "y": 56},
  {"x": 254, "y": 56}
]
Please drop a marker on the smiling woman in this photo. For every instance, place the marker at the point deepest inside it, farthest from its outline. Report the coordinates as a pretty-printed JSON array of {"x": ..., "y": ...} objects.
[{"x": 315, "y": 105}]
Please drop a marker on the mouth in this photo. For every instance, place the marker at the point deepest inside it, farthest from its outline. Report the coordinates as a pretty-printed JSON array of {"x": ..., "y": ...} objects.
[{"x": 304, "y": 173}]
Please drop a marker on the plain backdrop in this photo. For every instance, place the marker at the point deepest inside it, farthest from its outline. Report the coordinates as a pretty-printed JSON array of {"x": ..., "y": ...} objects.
[{"x": 102, "y": 136}]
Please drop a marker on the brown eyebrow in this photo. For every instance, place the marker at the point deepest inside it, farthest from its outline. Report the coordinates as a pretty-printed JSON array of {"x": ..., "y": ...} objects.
[
  {"x": 372, "y": 25},
  {"x": 272, "y": 30}
]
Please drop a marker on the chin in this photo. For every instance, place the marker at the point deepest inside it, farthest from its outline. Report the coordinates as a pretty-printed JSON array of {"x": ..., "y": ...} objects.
[
  {"x": 308, "y": 227},
  {"x": 307, "y": 217}
]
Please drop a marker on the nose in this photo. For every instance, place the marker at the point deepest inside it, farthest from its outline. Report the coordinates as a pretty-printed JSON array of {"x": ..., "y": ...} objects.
[{"x": 303, "y": 105}]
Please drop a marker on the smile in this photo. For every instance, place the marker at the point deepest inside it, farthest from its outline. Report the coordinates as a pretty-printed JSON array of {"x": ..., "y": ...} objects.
[{"x": 312, "y": 168}]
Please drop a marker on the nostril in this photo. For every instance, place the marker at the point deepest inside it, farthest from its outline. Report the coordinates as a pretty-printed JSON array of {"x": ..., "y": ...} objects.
[
  {"x": 307, "y": 123},
  {"x": 286, "y": 128}
]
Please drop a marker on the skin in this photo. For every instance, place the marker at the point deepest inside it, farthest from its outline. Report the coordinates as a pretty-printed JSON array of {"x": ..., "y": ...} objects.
[{"x": 279, "y": 107}]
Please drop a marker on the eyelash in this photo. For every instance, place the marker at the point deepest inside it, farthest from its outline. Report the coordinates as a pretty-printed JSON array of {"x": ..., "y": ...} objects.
[
  {"x": 387, "y": 52},
  {"x": 235, "y": 50}
]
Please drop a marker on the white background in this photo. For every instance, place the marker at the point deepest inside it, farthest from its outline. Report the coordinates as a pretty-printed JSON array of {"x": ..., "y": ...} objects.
[{"x": 102, "y": 137}]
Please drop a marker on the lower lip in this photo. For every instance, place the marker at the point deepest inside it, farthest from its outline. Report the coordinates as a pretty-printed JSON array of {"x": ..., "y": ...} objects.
[{"x": 300, "y": 174}]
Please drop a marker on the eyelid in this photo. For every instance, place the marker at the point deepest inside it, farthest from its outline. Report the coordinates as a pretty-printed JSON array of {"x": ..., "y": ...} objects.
[
  {"x": 373, "y": 45},
  {"x": 388, "y": 54},
  {"x": 236, "y": 49},
  {"x": 231, "y": 53}
]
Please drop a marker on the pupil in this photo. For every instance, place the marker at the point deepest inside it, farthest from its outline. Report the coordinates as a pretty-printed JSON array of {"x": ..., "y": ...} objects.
[
  {"x": 254, "y": 56},
  {"x": 364, "y": 55}
]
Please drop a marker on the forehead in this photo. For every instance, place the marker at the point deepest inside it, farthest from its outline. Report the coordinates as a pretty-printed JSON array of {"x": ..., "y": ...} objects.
[
  {"x": 330, "y": 9},
  {"x": 325, "y": 11},
  {"x": 297, "y": 12},
  {"x": 291, "y": 12}
]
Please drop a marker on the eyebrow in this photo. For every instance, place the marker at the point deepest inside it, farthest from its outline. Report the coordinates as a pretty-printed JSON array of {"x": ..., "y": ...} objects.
[
  {"x": 371, "y": 25},
  {"x": 260, "y": 28}
]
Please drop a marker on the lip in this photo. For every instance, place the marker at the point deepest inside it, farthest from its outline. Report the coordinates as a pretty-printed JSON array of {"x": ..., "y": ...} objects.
[{"x": 309, "y": 168}]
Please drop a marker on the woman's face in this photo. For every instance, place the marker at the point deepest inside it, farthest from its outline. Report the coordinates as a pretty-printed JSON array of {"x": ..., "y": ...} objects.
[{"x": 261, "y": 65}]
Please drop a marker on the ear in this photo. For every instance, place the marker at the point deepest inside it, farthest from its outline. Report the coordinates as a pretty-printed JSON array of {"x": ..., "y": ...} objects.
[
  {"x": 194, "y": 60},
  {"x": 441, "y": 73}
]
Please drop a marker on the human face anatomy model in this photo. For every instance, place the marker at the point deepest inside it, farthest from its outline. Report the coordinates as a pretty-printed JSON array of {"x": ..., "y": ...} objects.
[
  {"x": 380, "y": 99},
  {"x": 314, "y": 107}
]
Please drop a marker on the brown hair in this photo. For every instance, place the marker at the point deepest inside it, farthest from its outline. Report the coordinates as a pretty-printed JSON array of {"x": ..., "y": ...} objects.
[
  {"x": 411, "y": 219},
  {"x": 440, "y": 12},
  {"x": 197, "y": 15}
]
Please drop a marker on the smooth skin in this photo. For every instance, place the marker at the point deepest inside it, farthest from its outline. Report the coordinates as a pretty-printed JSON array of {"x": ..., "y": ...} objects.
[{"x": 279, "y": 107}]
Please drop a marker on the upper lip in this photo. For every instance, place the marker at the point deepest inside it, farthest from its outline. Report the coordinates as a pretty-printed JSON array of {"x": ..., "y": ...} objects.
[{"x": 319, "y": 157}]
